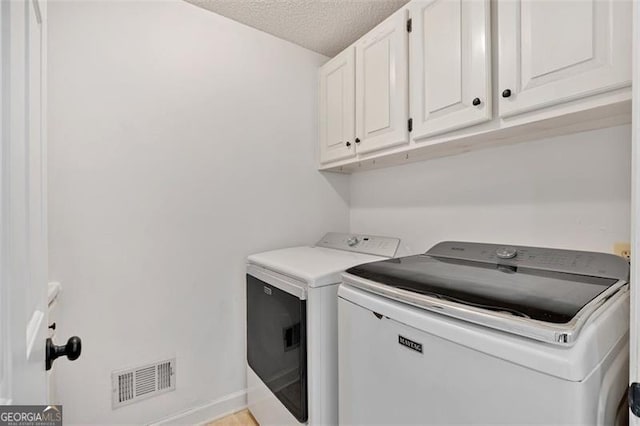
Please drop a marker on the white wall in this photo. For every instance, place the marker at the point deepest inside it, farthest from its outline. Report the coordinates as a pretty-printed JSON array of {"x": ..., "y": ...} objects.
[
  {"x": 567, "y": 192},
  {"x": 180, "y": 142}
]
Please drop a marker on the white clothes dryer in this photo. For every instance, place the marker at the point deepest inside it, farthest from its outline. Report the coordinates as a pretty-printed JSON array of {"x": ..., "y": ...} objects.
[{"x": 292, "y": 329}]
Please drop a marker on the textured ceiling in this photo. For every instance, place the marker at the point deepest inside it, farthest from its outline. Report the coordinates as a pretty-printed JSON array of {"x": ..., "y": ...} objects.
[{"x": 324, "y": 26}]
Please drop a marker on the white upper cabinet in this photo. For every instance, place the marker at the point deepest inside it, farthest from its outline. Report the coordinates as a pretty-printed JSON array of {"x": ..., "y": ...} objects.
[
  {"x": 382, "y": 103},
  {"x": 450, "y": 65},
  {"x": 562, "y": 66},
  {"x": 557, "y": 51},
  {"x": 337, "y": 108}
]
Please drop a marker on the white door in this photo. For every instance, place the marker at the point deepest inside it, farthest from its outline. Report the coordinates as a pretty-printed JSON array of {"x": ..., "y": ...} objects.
[
  {"x": 634, "y": 344},
  {"x": 382, "y": 103},
  {"x": 557, "y": 51},
  {"x": 23, "y": 279},
  {"x": 337, "y": 108},
  {"x": 450, "y": 65}
]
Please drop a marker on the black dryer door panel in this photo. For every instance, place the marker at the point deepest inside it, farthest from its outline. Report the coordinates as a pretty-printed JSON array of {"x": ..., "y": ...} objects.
[{"x": 277, "y": 343}]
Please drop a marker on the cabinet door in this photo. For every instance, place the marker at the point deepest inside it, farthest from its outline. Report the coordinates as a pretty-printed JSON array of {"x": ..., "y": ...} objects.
[
  {"x": 382, "y": 85},
  {"x": 337, "y": 108},
  {"x": 557, "y": 51},
  {"x": 450, "y": 65}
]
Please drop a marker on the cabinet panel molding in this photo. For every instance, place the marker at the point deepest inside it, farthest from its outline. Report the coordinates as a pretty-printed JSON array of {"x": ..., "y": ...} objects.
[
  {"x": 337, "y": 108},
  {"x": 450, "y": 67},
  {"x": 555, "y": 52},
  {"x": 382, "y": 92}
]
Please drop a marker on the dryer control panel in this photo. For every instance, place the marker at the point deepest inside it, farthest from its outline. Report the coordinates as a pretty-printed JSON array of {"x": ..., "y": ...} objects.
[{"x": 360, "y": 243}]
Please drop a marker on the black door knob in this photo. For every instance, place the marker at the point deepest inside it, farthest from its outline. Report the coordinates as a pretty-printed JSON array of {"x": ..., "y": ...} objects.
[
  {"x": 476, "y": 102},
  {"x": 348, "y": 144},
  {"x": 357, "y": 140},
  {"x": 506, "y": 93},
  {"x": 633, "y": 398},
  {"x": 71, "y": 350}
]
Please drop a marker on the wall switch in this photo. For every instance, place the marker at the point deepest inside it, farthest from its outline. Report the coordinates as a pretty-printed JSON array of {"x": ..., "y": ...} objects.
[{"x": 623, "y": 250}]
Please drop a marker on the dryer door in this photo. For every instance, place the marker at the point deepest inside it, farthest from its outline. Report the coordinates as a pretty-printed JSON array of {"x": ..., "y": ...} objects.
[{"x": 277, "y": 343}]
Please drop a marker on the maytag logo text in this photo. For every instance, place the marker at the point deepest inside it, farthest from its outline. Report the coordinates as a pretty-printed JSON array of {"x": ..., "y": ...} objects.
[{"x": 410, "y": 344}]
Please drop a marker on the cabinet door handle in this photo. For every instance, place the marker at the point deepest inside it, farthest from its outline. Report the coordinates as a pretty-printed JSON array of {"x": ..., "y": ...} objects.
[
  {"x": 476, "y": 102},
  {"x": 348, "y": 144},
  {"x": 357, "y": 140},
  {"x": 506, "y": 93}
]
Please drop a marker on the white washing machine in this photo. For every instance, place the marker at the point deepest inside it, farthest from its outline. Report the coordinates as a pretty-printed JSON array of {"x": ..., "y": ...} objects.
[
  {"x": 292, "y": 354},
  {"x": 474, "y": 333}
]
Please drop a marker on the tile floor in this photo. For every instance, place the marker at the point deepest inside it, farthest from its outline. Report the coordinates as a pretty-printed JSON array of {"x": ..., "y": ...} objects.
[{"x": 241, "y": 418}]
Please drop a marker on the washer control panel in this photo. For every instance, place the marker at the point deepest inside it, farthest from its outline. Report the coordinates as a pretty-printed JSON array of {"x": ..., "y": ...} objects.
[
  {"x": 569, "y": 261},
  {"x": 367, "y": 244}
]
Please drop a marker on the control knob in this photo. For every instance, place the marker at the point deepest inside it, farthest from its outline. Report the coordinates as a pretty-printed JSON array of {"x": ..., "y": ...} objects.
[
  {"x": 506, "y": 252},
  {"x": 352, "y": 241}
]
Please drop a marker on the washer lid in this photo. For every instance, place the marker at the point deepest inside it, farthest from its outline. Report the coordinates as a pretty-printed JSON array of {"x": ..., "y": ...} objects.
[
  {"x": 316, "y": 266},
  {"x": 483, "y": 282}
]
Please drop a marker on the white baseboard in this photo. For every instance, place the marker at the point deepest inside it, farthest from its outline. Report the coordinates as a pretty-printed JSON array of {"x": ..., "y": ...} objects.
[{"x": 221, "y": 407}]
